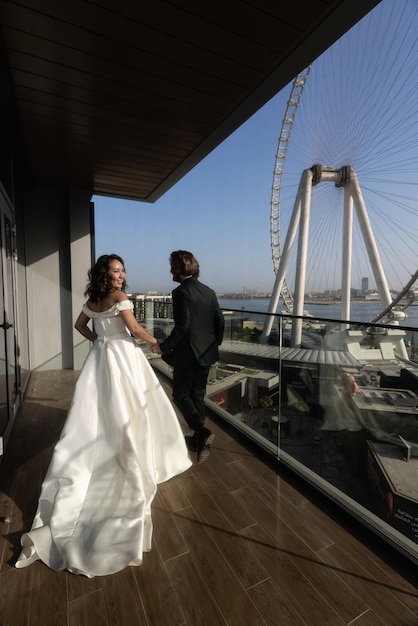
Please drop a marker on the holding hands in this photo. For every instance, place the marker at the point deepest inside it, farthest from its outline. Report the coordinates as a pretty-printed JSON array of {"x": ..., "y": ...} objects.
[{"x": 155, "y": 348}]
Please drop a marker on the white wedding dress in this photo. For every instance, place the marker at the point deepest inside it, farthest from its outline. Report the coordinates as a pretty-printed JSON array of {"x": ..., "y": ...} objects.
[{"x": 121, "y": 438}]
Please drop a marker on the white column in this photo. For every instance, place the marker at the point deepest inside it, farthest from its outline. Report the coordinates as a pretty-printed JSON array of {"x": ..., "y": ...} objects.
[
  {"x": 369, "y": 240},
  {"x": 290, "y": 237},
  {"x": 373, "y": 253},
  {"x": 347, "y": 254},
  {"x": 301, "y": 257}
]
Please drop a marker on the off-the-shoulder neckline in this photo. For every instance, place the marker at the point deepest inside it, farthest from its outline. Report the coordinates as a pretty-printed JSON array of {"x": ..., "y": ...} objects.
[{"x": 105, "y": 310}]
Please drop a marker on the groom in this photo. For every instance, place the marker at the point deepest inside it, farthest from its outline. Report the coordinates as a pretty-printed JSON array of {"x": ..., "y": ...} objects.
[{"x": 192, "y": 346}]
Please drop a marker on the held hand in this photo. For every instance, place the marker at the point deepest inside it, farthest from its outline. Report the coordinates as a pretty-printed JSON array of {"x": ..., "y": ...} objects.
[{"x": 155, "y": 349}]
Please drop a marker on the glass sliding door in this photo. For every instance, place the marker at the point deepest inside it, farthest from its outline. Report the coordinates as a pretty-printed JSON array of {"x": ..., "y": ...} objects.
[{"x": 9, "y": 370}]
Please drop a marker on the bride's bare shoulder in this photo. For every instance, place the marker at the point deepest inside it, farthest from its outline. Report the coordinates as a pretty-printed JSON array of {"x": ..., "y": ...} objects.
[
  {"x": 119, "y": 296},
  {"x": 102, "y": 305},
  {"x": 92, "y": 306}
]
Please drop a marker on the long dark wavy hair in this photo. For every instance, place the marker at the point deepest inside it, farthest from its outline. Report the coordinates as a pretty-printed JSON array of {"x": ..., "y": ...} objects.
[{"x": 98, "y": 287}]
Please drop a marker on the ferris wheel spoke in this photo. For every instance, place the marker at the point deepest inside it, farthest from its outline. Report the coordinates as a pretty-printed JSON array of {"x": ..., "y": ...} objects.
[{"x": 357, "y": 110}]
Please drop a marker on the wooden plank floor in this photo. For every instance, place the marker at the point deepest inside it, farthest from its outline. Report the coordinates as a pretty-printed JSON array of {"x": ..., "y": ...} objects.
[{"x": 237, "y": 541}]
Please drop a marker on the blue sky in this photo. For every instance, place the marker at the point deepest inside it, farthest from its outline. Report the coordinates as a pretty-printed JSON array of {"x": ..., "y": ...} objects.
[{"x": 358, "y": 108}]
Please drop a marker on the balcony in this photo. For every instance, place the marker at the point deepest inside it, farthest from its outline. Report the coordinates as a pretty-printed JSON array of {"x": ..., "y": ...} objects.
[{"x": 263, "y": 532}]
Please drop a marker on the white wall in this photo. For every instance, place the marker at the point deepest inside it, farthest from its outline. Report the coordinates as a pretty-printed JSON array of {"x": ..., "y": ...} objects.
[
  {"x": 57, "y": 246},
  {"x": 81, "y": 261}
]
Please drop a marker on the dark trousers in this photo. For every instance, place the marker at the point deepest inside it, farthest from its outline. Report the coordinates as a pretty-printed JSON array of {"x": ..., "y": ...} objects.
[{"x": 189, "y": 389}]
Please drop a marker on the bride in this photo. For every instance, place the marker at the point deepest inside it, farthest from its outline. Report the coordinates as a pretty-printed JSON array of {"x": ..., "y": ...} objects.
[{"x": 120, "y": 439}]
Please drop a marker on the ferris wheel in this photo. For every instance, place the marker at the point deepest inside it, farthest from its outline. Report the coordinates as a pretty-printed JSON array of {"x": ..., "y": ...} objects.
[
  {"x": 284, "y": 139},
  {"x": 356, "y": 116}
]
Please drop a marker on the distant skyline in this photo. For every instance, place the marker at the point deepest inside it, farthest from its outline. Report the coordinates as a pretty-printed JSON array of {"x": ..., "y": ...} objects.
[{"x": 358, "y": 108}]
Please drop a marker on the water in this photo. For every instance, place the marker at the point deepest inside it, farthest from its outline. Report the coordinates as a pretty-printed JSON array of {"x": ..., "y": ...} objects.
[{"x": 360, "y": 311}]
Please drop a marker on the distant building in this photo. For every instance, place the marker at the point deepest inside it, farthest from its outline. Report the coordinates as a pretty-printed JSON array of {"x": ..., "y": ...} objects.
[
  {"x": 365, "y": 285},
  {"x": 374, "y": 295},
  {"x": 147, "y": 306}
]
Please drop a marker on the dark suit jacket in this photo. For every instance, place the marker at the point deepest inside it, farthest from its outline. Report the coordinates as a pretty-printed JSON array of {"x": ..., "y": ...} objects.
[{"x": 198, "y": 324}]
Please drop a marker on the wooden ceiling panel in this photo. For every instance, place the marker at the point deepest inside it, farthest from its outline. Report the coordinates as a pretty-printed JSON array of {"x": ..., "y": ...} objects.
[
  {"x": 124, "y": 98},
  {"x": 111, "y": 120}
]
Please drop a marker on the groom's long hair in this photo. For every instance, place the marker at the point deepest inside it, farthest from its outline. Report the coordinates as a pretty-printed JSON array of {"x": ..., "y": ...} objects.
[{"x": 185, "y": 263}]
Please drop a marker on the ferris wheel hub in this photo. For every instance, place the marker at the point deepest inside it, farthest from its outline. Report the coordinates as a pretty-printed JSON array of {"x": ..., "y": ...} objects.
[{"x": 340, "y": 176}]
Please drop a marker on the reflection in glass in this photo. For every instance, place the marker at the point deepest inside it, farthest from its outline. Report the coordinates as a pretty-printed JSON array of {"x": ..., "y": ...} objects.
[{"x": 342, "y": 405}]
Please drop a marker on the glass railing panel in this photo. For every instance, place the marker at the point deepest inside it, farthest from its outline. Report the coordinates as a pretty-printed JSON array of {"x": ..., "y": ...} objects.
[
  {"x": 246, "y": 381},
  {"x": 353, "y": 417},
  {"x": 337, "y": 400}
]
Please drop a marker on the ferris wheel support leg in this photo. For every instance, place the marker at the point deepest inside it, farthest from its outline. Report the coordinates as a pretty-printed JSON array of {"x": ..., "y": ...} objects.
[
  {"x": 347, "y": 255},
  {"x": 373, "y": 253},
  {"x": 306, "y": 181},
  {"x": 277, "y": 288},
  {"x": 369, "y": 240}
]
